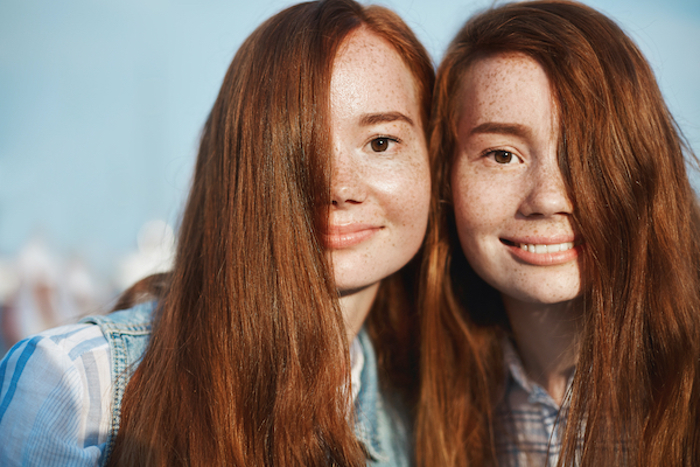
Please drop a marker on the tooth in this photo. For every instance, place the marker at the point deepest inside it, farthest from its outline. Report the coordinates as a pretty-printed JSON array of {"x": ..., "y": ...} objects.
[{"x": 540, "y": 249}]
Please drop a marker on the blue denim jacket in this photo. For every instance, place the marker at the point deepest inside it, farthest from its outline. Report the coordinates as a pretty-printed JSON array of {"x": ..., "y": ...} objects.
[{"x": 380, "y": 424}]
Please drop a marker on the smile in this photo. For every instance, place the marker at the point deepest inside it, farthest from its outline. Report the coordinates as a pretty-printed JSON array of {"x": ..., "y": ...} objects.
[
  {"x": 544, "y": 254},
  {"x": 541, "y": 249}
]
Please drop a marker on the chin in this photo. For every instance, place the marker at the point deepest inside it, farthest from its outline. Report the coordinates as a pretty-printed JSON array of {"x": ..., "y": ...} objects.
[
  {"x": 350, "y": 281},
  {"x": 549, "y": 298},
  {"x": 346, "y": 291}
]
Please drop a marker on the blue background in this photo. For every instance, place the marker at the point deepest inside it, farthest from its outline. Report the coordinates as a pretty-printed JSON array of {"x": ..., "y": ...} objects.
[{"x": 102, "y": 102}]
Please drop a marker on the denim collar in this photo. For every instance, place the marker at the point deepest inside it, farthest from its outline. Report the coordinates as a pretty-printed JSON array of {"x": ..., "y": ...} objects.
[
  {"x": 367, "y": 403},
  {"x": 366, "y": 424}
]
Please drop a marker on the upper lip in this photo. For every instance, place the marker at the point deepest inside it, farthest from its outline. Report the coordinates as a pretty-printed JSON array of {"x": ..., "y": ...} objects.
[{"x": 542, "y": 240}]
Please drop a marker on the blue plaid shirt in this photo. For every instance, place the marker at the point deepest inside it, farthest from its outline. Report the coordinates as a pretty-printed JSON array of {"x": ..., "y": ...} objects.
[{"x": 527, "y": 418}]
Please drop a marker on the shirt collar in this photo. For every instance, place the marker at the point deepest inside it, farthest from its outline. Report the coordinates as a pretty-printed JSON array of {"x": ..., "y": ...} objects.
[
  {"x": 515, "y": 372},
  {"x": 366, "y": 402}
]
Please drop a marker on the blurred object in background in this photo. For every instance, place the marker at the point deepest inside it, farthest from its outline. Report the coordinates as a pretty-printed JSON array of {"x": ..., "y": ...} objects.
[
  {"x": 156, "y": 252},
  {"x": 40, "y": 290},
  {"x": 9, "y": 283},
  {"x": 41, "y": 297}
]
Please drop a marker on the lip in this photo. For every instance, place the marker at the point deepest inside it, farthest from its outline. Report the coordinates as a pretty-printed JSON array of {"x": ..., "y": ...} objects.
[
  {"x": 343, "y": 236},
  {"x": 540, "y": 257}
]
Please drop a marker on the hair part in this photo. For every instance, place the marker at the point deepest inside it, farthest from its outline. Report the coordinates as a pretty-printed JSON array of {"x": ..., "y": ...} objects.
[{"x": 635, "y": 394}]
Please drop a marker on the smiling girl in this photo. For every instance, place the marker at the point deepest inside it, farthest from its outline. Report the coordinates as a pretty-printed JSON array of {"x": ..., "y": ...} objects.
[
  {"x": 562, "y": 278},
  {"x": 310, "y": 195}
]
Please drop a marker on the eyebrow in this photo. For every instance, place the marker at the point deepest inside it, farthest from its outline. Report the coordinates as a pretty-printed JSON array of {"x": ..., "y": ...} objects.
[
  {"x": 384, "y": 117},
  {"x": 502, "y": 128}
]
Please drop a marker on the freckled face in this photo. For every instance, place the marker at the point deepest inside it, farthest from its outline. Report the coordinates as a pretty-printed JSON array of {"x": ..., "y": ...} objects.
[
  {"x": 512, "y": 211},
  {"x": 380, "y": 185}
]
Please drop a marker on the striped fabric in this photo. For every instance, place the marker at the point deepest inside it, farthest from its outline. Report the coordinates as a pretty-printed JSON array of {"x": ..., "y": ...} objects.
[
  {"x": 527, "y": 418},
  {"x": 54, "y": 398}
]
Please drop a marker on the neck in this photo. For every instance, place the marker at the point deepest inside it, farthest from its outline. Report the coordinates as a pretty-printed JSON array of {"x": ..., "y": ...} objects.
[
  {"x": 355, "y": 306},
  {"x": 547, "y": 337}
]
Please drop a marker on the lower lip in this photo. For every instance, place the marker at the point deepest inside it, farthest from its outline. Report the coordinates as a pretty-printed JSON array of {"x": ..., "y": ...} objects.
[
  {"x": 348, "y": 240},
  {"x": 545, "y": 259}
]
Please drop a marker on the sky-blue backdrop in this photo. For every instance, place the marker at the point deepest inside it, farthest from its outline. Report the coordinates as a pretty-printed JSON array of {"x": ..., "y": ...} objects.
[{"x": 102, "y": 101}]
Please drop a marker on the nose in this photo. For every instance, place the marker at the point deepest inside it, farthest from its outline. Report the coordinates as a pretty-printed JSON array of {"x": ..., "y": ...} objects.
[
  {"x": 547, "y": 195},
  {"x": 347, "y": 187}
]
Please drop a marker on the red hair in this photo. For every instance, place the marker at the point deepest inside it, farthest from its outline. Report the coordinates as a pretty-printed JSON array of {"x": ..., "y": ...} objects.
[
  {"x": 248, "y": 360},
  {"x": 636, "y": 391}
]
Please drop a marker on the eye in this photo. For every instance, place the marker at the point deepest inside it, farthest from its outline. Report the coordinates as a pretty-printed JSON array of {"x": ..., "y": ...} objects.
[
  {"x": 381, "y": 144},
  {"x": 503, "y": 157}
]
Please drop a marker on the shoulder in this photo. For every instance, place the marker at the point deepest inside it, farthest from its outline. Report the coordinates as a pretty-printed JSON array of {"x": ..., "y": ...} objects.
[
  {"x": 70, "y": 347},
  {"x": 135, "y": 320},
  {"x": 52, "y": 397},
  {"x": 128, "y": 333},
  {"x": 60, "y": 390}
]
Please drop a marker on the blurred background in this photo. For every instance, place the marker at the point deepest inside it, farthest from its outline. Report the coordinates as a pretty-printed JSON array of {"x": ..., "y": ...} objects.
[{"x": 101, "y": 105}]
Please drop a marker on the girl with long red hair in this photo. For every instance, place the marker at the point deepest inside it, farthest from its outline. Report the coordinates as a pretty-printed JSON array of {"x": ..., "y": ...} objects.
[
  {"x": 283, "y": 326},
  {"x": 561, "y": 304}
]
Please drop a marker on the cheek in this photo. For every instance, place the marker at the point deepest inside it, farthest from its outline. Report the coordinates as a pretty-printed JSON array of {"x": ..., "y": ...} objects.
[
  {"x": 405, "y": 193},
  {"x": 469, "y": 221},
  {"x": 479, "y": 217},
  {"x": 471, "y": 205},
  {"x": 415, "y": 203},
  {"x": 482, "y": 204}
]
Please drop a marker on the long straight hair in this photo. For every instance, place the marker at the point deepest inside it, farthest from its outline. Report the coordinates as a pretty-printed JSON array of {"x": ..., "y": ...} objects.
[
  {"x": 247, "y": 362},
  {"x": 636, "y": 390}
]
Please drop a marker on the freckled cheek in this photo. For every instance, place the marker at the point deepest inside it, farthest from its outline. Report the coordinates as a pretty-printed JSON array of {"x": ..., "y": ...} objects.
[
  {"x": 415, "y": 199},
  {"x": 472, "y": 208},
  {"x": 481, "y": 205},
  {"x": 405, "y": 190}
]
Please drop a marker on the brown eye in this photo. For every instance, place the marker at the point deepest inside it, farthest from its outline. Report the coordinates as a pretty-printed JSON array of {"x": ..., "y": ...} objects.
[
  {"x": 379, "y": 144},
  {"x": 503, "y": 157}
]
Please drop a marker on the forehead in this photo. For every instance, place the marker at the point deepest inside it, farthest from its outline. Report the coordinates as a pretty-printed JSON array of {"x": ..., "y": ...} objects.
[
  {"x": 504, "y": 88},
  {"x": 368, "y": 69}
]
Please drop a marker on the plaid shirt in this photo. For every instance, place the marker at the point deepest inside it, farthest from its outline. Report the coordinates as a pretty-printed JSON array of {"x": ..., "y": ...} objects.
[{"x": 527, "y": 419}]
